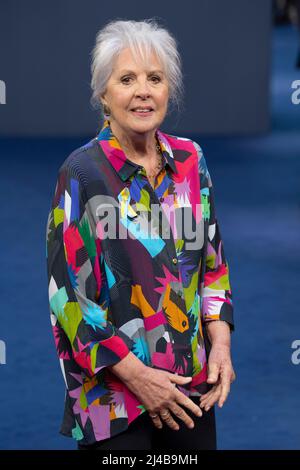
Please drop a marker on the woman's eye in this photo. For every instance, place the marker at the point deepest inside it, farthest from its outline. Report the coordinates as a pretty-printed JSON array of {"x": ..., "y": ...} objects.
[
  {"x": 125, "y": 80},
  {"x": 156, "y": 79}
]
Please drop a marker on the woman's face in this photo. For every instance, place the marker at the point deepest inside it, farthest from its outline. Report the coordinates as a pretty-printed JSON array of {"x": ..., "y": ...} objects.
[{"x": 132, "y": 86}]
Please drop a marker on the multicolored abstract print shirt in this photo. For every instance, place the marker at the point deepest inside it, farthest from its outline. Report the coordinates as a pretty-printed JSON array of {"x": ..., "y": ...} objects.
[{"x": 131, "y": 267}]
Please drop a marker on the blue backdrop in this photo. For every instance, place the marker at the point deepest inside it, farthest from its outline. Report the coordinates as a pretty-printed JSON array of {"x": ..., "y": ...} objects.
[{"x": 259, "y": 221}]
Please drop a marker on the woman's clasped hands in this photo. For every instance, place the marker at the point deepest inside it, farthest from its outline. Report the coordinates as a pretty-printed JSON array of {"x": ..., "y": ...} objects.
[{"x": 156, "y": 389}]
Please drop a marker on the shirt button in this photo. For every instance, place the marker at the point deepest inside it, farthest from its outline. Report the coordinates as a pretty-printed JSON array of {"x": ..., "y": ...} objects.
[
  {"x": 175, "y": 260},
  {"x": 184, "y": 324},
  {"x": 161, "y": 199},
  {"x": 189, "y": 355}
]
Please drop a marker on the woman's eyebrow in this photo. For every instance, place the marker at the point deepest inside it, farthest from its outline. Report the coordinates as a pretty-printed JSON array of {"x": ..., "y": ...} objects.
[{"x": 132, "y": 71}]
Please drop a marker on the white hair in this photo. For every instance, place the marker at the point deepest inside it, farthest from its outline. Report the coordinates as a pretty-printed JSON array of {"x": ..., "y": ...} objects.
[{"x": 142, "y": 37}]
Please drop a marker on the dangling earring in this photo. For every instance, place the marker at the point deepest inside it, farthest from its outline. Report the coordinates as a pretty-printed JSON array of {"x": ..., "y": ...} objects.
[{"x": 106, "y": 110}]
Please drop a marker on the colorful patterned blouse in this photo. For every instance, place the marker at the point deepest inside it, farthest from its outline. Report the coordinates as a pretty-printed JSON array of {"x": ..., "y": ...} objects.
[{"x": 131, "y": 268}]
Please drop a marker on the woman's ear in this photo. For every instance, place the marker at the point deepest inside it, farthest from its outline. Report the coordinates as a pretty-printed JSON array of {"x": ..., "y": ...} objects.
[{"x": 102, "y": 98}]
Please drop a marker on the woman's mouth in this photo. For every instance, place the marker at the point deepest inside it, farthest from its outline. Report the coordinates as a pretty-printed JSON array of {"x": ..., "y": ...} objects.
[{"x": 143, "y": 112}]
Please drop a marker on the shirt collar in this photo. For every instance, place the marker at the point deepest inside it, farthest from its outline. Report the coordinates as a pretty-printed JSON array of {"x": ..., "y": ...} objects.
[{"x": 117, "y": 157}]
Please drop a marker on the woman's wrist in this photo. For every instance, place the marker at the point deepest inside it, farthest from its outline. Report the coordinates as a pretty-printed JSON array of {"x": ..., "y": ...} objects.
[
  {"x": 218, "y": 333},
  {"x": 129, "y": 368}
]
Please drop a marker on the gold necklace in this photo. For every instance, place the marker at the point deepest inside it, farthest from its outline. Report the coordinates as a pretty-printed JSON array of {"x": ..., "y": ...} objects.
[{"x": 159, "y": 165}]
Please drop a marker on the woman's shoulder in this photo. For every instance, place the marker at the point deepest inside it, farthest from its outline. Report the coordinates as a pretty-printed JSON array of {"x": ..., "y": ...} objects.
[
  {"x": 187, "y": 143},
  {"x": 79, "y": 160},
  {"x": 182, "y": 141}
]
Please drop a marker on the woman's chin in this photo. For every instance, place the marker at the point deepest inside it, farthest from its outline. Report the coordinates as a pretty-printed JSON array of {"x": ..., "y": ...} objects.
[{"x": 142, "y": 125}]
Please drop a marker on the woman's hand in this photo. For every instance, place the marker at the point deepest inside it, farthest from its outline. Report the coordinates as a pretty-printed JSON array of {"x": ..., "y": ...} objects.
[
  {"x": 156, "y": 390},
  {"x": 220, "y": 369},
  {"x": 220, "y": 373}
]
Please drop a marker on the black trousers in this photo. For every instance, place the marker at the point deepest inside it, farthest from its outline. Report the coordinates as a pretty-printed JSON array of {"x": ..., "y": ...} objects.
[{"x": 143, "y": 435}]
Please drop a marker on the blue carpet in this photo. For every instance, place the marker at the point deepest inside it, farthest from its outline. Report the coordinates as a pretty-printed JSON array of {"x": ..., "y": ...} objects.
[{"x": 257, "y": 196}]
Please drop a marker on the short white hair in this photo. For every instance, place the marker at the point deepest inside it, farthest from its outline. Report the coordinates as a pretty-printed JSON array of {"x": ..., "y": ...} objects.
[{"x": 142, "y": 37}]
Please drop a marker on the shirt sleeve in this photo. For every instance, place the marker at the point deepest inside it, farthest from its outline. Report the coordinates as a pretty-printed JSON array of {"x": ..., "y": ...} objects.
[
  {"x": 78, "y": 290},
  {"x": 215, "y": 289}
]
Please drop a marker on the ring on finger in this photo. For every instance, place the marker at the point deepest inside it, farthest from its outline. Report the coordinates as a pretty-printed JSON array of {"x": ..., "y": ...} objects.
[
  {"x": 153, "y": 416},
  {"x": 163, "y": 415}
]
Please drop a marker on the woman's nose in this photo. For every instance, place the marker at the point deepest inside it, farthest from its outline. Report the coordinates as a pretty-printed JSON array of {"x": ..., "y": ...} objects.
[{"x": 143, "y": 88}]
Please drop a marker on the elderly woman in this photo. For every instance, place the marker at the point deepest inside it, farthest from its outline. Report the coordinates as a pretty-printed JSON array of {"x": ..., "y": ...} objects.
[{"x": 140, "y": 300}]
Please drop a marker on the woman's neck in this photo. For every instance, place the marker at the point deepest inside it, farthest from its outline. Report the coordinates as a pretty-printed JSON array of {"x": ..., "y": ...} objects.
[{"x": 138, "y": 146}]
